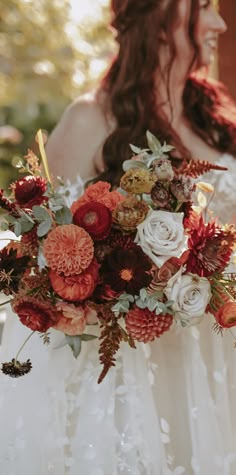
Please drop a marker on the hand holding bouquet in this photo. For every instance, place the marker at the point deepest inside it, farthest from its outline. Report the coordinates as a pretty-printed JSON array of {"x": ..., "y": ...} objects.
[{"x": 132, "y": 260}]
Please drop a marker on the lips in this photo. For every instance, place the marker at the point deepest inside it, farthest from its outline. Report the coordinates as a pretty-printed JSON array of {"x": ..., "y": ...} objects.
[{"x": 212, "y": 43}]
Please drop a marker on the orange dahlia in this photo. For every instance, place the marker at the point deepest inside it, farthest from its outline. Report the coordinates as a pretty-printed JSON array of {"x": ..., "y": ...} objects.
[
  {"x": 226, "y": 315},
  {"x": 144, "y": 325},
  {"x": 76, "y": 287},
  {"x": 68, "y": 249}
]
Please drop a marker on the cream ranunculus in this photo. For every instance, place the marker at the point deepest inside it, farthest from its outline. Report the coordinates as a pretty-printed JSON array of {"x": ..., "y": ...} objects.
[
  {"x": 161, "y": 236},
  {"x": 190, "y": 294}
]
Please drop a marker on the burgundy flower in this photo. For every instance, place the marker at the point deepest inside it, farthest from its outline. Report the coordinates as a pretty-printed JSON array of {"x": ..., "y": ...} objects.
[
  {"x": 160, "y": 195},
  {"x": 15, "y": 368},
  {"x": 29, "y": 191},
  {"x": 12, "y": 269},
  {"x": 95, "y": 218},
  {"x": 125, "y": 270},
  {"x": 119, "y": 239},
  {"x": 34, "y": 314},
  {"x": 210, "y": 248},
  {"x": 7, "y": 204},
  {"x": 182, "y": 188}
]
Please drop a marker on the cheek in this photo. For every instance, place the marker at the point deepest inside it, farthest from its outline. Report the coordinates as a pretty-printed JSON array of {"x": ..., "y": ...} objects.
[{"x": 202, "y": 28}]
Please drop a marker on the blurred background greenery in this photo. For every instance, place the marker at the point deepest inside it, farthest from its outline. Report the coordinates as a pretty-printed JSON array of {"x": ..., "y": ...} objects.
[{"x": 50, "y": 53}]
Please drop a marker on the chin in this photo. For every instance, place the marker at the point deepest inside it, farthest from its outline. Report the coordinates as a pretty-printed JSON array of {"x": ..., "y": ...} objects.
[{"x": 207, "y": 58}]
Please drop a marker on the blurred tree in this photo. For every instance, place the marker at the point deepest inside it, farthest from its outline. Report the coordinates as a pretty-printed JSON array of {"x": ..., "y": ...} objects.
[
  {"x": 36, "y": 51},
  {"x": 45, "y": 61}
]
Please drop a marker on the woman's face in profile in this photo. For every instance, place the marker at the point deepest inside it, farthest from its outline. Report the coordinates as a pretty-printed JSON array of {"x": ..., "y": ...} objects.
[{"x": 209, "y": 25}]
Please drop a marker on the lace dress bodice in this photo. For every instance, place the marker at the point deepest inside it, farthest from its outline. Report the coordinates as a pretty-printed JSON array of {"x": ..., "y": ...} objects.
[{"x": 223, "y": 203}]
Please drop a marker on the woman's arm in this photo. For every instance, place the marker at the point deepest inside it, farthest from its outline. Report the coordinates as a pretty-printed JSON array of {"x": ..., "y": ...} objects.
[{"x": 74, "y": 147}]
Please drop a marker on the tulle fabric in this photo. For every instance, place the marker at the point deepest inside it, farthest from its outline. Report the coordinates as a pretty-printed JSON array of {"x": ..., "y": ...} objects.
[{"x": 167, "y": 408}]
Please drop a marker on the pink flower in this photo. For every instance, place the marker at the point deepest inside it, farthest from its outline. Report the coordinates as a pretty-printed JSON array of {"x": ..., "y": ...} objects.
[{"x": 72, "y": 320}]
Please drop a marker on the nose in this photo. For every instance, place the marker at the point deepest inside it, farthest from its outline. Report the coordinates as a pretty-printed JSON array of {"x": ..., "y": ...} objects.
[{"x": 219, "y": 24}]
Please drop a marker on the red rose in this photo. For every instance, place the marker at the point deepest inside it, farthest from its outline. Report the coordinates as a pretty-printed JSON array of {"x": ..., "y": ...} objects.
[
  {"x": 34, "y": 314},
  {"x": 95, "y": 218},
  {"x": 29, "y": 191}
]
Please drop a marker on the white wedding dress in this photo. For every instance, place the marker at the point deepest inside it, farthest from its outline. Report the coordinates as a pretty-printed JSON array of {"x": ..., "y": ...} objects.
[{"x": 167, "y": 408}]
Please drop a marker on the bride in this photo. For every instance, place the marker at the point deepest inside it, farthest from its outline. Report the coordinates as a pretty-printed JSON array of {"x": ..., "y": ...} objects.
[{"x": 168, "y": 408}]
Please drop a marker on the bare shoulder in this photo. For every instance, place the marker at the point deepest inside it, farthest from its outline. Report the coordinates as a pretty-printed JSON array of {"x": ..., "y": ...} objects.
[{"x": 76, "y": 139}]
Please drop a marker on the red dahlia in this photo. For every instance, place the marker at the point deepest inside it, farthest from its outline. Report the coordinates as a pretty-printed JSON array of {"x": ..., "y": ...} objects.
[
  {"x": 95, "y": 218},
  {"x": 76, "y": 287},
  {"x": 125, "y": 270},
  {"x": 34, "y": 314},
  {"x": 144, "y": 325},
  {"x": 210, "y": 248},
  {"x": 29, "y": 191}
]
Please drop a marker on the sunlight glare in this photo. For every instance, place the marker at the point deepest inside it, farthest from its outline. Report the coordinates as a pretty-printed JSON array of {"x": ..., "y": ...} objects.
[{"x": 81, "y": 11}]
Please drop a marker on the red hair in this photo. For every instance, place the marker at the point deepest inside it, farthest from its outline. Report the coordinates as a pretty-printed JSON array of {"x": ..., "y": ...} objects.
[{"x": 130, "y": 86}]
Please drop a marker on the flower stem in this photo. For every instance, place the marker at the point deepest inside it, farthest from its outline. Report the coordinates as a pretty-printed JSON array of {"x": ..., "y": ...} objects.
[
  {"x": 9, "y": 239},
  {"x": 22, "y": 346},
  {"x": 5, "y": 303},
  {"x": 179, "y": 204},
  {"x": 232, "y": 335}
]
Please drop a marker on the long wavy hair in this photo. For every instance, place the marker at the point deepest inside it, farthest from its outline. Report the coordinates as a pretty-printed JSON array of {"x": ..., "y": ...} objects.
[{"x": 129, "y": 86}]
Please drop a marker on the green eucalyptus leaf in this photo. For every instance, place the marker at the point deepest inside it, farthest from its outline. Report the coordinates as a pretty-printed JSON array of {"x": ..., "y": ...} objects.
[
  {"x": 152, "y": 305},
  {"x": 143, "y": 294},
  {"x": 153, "y": 142},
  {"x": 64, "y": 216},
  {"x": 44, "y": 227},
  {"x": 135, "y": 149},
  {"x": 75, "y": 343},
  {"x": 28, "y": 217},
  {"x": 17, "y": 228},
  {"x": 167, "y": 148},
  {"x": 126, "y": 296},
  {"x": 4, "y": 226},
  {"x": 141, "y": 304},
  {"x": 10, "y": 219},
  {"x": 40, "y": 213},
  {"x": 26, "y": 225},
  {"x": 86, "y": 337}
]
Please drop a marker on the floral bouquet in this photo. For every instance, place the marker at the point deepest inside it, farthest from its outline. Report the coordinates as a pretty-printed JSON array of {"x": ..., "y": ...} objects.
[{"x": 132, "y": 261}]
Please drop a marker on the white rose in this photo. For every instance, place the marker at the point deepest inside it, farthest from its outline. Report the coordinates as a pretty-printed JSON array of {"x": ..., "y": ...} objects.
[
  {"x": 161, "y": 236},
  {"x": 190, "y": 294}
]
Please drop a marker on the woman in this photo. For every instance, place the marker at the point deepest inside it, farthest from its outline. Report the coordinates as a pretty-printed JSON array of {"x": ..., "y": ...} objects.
[{"x": 167, "y": 409}]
